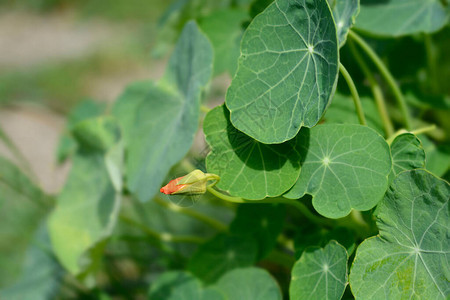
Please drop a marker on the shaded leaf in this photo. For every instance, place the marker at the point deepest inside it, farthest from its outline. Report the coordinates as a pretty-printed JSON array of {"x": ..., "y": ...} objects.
[
  {"x": 287, "y": 70},
  {"x": 409, "y": 259},
  {"x": 345, "y": 167},
  {"x": 264, "y": 222},
  {"x": 401, "y": 17},
  {"x": 248, "y": 168},
  {"x": 221, "y": 254},
  {"x": 320, "y": 273},
  {"x": 87, "y": 207},
  {"x": 159, "y": 120},
  {"x": 437, "y": 156},
  {"x": 249, "y": 284}
]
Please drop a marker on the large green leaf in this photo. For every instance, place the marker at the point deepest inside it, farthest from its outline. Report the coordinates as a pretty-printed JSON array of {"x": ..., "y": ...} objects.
[
  {"x": 401, "y": 17},
  {"x": 23, "y": 206},
  {"x": 287, "y": 70},
  {"x": 176, "y": 285},
  {"x": 41, "y": 274},
  {"x": 345, "y": 167},
  {"x": 221, "y": 254},
  {"x": 88, "y": 205},
  {"x": 224, "y": 29},
  {"x": 249, "y": 284},
  {"x": 248, "y": 168},
  {"x": 320, "y": 273},
  {"x": 264, "y": 222},
  {"x": 407, "y": 153},
  {"x": 344, "y": 13},
  {"x": 159, "y": 120},
  {"x": 409, "y": 259}
]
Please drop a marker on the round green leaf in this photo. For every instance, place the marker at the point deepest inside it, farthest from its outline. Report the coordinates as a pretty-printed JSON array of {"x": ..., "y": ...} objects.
[
  {"x": 221, "y": 254},
  {"x": 249, "y": 284},
  {"x": 287, "y": 70},
  {"x": 410, "y": 257},
  {"x": 401, "y": 17},
  {"x": 345, "y": 167},
  {"x": 320, "y": 273},
  {"x": 248, "y": 168},
  {"x": 407, "y": 153},
  {"x": 344, "y": 13}
]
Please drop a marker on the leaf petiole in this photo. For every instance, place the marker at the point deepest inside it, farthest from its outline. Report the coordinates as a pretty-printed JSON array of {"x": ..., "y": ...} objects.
[{"x": 355, "y": 95}]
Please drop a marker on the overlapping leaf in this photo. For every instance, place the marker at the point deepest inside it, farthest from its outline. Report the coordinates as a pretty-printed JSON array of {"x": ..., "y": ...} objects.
[
  {"x": 407, "y": 153},
  {"x": 345, "y": 167},
  {"x": 409, "y": 260},
  {"x": 287, "y": 70},
  {"x": 320, "y": 273},
  {"x": 344, "y": 13},
  {"x": 401, "y": 17},
  {"x": 88, "y": 205},
  {"x": 159, "y": 120},
  {"x": 247, "y": 168}
]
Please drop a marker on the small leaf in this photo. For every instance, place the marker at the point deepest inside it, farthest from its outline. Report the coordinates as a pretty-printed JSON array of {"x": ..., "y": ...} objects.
[
  {"x": 345, "y": 167},
  {"x": 344, "y": 14},
  {"x": 247, "y": 168},
  {"x": 287, "y": 70},
  {"x": 261, "y": 221},
  {"x": 320, "y": 273},
  {"x": 407, "y": 153},
  {"x": 159, "y": 121},
  {"x": 88, "y": 205},
  {"x": 409, "y": 259},
  {"x": 249, "y": 284},
  {"x": 401, "y": 17},
  {"x": 221, "y": 254}
]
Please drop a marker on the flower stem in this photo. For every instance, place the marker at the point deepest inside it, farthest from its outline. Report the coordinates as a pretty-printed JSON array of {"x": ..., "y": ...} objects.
[
  {"x": 376, "y": 91},
  {"x": 192, "y": 213},
  {"x": 165, "y": 237},
  {"x": 355, "y": 95},
  {"x": 300, "y": 206},
  {"x": 387, "y": 76}
]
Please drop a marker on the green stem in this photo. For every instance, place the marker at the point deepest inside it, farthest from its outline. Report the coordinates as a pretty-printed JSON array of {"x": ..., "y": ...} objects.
[
  {"x": 431, "y": 62},
  {"x": 355, "y": 95},
  {"x": 205, "y": 109},
  {"x": 376, "y": 91},
  {"x": 300, "y": 206},
  {"x": 165, "y": 237},
  {"x": 424, "y": 129},
  {"x": 387, "y": 76},
  {"x": 281, "y": 258},
  {"x": 192, "y": 213}
]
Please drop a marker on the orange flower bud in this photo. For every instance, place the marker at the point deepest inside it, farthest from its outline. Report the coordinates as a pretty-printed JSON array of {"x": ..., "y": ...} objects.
[{"x": 192, "y": 183}]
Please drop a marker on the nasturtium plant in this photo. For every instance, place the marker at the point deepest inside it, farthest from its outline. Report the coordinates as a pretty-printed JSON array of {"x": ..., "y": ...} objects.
[
  {"x": 287, "y": 71},
  {"x": 249, "y": 170},
  {"x": 320, "y": 273},
  {"x": 409, "y": 258},
  {"x": 344, "y": 167}
]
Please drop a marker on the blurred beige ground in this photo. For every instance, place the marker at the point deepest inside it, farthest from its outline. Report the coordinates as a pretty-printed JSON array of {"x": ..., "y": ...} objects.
[{"x": 27, "y": 41}]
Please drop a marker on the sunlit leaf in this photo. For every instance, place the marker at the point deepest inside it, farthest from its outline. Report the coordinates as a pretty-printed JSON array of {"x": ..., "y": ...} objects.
[
  {"x": 409, "y": 259},
  {"x": 344, "y": 13},
  {"x": 320, "y": 273},
  {"x": 287, "y": 70},
  {"x": 345, "y": 167}
]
